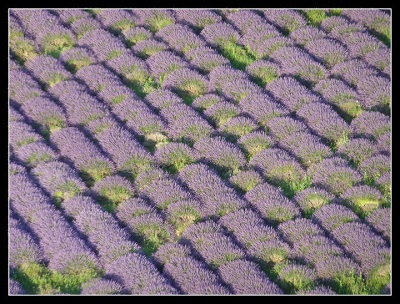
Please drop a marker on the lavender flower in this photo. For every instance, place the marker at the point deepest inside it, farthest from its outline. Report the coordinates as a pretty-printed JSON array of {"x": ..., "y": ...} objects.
[
  {"x": 384, "y": 184},
  {"x": 279, "y": 168},
  {"x": 155, "y": 20},
  {"x": 357, "y": 150},
  {"x": 77, "y": 58},
  {"x": 376, "y": 92},
  {"x": 136, "y": 34},
  {"x": 255, "y": 142},
  {"x": 224, "y": 74},
  {"x": 23, "y": 248},
  {"x": 15, "y": 288},
  {"x": 189, "y": 129},
  {"x": 238, "y": 89},
  {"x": 133, "y": 207},
  {"x": 46, "y": 113},
  {"x": 175, "y": 156},
  {"x": 164, "y": 192},
  {"x": 101, "y": 287},
  {"x": 298, "y": 63},
  {"x": 35, "y": 153},
  {"x": 291, "y": 92},
  {"x": 181, "y": 38},
  {"x": 374, "y": 167},
  {"x": 247, "y": 227},
  {"x": 347, "y": 29},
  {"x": 139, "y": 276},
  {"x": 380, "y": 220},
  {"x": 97, "y": 77},
  {"x": 220, "y": 33},
  {"x": 246, "y": 277},
  {"x": 90, "y": 161},
  {"x": 21, "y": 134},
  {"x": 206, "y": 101},
  {"x": 187, "y": 84},
  {"x": 207, "y": 62},
  {"x": 262, "y": 107},
  {"x": 113, "y": 190},
  {"x": 270, "y": 252},
  {"x": 183, "y": 214},
  {"x": 192, "y": 277},
  {"x": 295, "y": 230},
  {"x": 336, "y": 268},
  {"x": 319, "y": 290},
  {"x": 140, "y": 119},
  {"x": 14, "y": 168},
  {"x": 48, "y": 70},
  {"x": 237, "y": 127},
  {"x": 312, "y": 199},
  {"x": 150, "y": 47},
  {"x": 329, "y": 51},
  {"x": 22, "y": 87},
  {"x": 116, "y": 20},
  {"x": 222, "y": 112},
  {"x": 167, "y": 252},
  {"x": 132, "y": 68},
  {"x": 163, "y": 98},
  {"x": 288, "y": 20},
  {"x": 224, "y": 155},
  {"x": 322, "y": 119},
  {"x": 306, "y": 34},
  {"x": 263, "y": 72},
  {"x": 332, "y": 22},
  {"x": 380, "y": 59},
  {"x": 264, "y": 48},
  {"x": 78, "y": 204},
  {"x": 353, "y": 71},
  {"x": 274, "y": 207},
  {"x": 295, "y": 277},
  {"x": 70, "y": 16},
  {"x": 313, "y": 249},
  {"x": 371, "y": 124},
  {"x": 332, "y": 216},
  {"x": 283, "y": 127},
  {"x": 244, "y": 181},
  {"x": 114, "y": 95},
  {"x": 164, "y": 63},
  {"x": 360, "y": 44},
  {"x": 307, "y": 147},
  {"x": 103, "y": 44},
  {"x": 198, "y": 18},
  {"x": 84, "y": 25}
]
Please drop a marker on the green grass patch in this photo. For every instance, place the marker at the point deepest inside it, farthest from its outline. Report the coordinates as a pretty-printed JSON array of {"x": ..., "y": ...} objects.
[
  {"x": 238, "y": 56},
  {"x": 315, "y": 17}
]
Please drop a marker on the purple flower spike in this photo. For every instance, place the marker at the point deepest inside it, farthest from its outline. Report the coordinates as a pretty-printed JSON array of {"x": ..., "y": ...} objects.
[
  {"x": 244, "y": 181},
  {"x": 155, "y": 20},
  {"x": 332, "y": 22},
  {"x": 380, "y": 59},
  {"x": 15, "y": 288},
  {"x": 193, "y": 277},
  {"x": 21, "y": 134},
  {"x": 272, "y": 204},
  {"x": 270, "y": 252},
  {"x": 167, "y": 252},
  {"x": 48, "y": 70},
  {"x": 295, "y": 230},
  {"x": 263, "y": 71},
  {"x": 332, "y": 216},
  {"x": 175, "y": 156},
  {"x": 336, "y": 267},
  {"x": 376, "y": 93},
  {"x": 150, "y": 47},
  {"x": 14, "y": 168},
  {"x": 206, "y": 101},
  {"x": 222, "y": 75},
  {"x": 374, "y": 167},
  {"x": 380, "y": 220},
  {"x": 312, "y": 199},
  {"x": 295, "y": 277},
  {"x": 70, "y": 16},
  {"x": 238, "y": 89},
  {"x": 181, "y": 38},
  {"x": 222, "y": 112},
  {"x": 220, "y": 33},
  {"x": 384, "y": 184},
  {"x": 326, "y": 122},
  {"x": 164, "y": 63},
  {"x": 329, "y": 51},
  {"x": 307, "y": 34},
  {"x": 136, "y": 34},
  {"x": 255, "y": 142},
  {"x": 101, "y": 287},
  {"x": 353, "y": 71},
  {"x": 208, "y": 62},
  {"x": 283, "y": 127},
  {"x": 77, "y": 58},
  {"x": 139, "y": 276},
  {"x": 84, "y": 25},
  {"x": 357, "y": 150},
  {"x": 319, "y": 290},
  {"x": 198, "y": 18},
  {"x": 288, "y": 20},
  {"x": 23, "y": 249},
  {"x": 238, "y": 127},
  {"x": 97, "y": 77},
  {"x": 35, "y": 153},
  {"x": 371, "y": 124},
  {"x": 117, "y": 20},
  {"x": 247, "y": 227},
  {"x": 246, "y": 277},
  {"x": 164, "y": 192},
  {"x": 362, "y": 199}
]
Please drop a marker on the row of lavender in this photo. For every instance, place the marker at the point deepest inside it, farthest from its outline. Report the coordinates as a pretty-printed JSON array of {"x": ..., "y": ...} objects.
[{"x": 211, "y": 145}]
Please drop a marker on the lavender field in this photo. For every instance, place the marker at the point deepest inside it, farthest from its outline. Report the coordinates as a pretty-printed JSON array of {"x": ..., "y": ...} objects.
[{"x": 200, "y": 152}]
